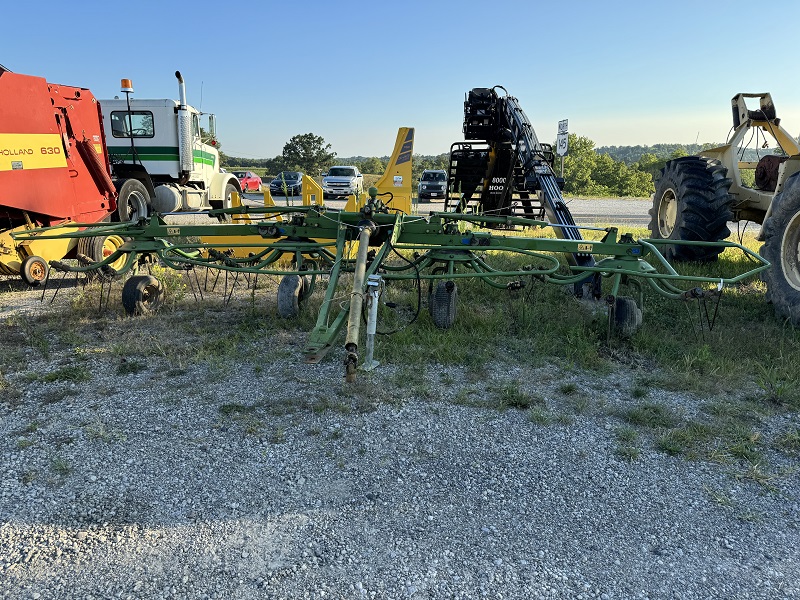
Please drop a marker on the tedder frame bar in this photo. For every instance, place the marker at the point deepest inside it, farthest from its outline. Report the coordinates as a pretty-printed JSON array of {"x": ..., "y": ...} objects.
[{"x": 310, "y": 242}]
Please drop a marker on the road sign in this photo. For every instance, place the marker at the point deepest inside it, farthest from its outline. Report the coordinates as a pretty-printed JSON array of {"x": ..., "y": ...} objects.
[{"x": 562, "y": 144}]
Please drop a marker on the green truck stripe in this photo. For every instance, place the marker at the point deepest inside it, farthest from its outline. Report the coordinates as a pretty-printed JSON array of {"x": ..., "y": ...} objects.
[
  {"x": 161, "y": 153},
  {"x": 205, "y": 158}
]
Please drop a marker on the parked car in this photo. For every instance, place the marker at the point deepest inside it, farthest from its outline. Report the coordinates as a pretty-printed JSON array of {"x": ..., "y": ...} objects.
[
  {"x": 250, "y": 182},
  {"x": 287, "y": 183},
  {"x": 432, "y": 184},
  {"x": 342, "y": 181}
]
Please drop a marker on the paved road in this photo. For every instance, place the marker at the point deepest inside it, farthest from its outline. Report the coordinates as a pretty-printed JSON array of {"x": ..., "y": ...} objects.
[
  {"x": 586, "y": 212},
  {"x": 597, "y": 211}
]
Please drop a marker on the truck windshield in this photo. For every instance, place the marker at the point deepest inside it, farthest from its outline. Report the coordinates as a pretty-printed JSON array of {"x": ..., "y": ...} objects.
[
  {"x": 140, "y": 123},
  {"x": 341, "y": 172}
]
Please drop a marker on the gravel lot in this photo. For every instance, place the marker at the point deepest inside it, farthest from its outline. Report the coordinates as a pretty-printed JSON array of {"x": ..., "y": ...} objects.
[{"x": 126, "y": 473}]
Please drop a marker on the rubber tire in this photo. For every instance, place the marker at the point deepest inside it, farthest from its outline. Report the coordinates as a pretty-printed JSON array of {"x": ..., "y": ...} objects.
[
  {"x": 627, "y": 317},
  {"x": 133, "y": 201},
  {"x": 142, "y": 294},
  {"x": 699, "y": 188},
  {"x": 34, "y": 270},
  {"x": 781, "y": 238},
  {"x": 226, "y": 203},
  {"x": 290, "y": 290},
  {"x": 99, "y": 247},
  {"x": 442, "y": 304}
]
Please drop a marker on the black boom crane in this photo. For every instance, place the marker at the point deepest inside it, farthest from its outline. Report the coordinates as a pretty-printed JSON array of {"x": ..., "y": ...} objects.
[{"x": 503, "y": 169}]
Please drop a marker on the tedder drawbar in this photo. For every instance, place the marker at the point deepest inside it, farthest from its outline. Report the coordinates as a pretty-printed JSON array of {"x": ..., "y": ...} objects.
[{"x": 442, "y": 247}]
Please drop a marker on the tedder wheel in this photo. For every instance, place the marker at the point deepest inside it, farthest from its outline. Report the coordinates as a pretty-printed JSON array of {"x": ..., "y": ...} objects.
[
  {"x": 691, "y": 203},
  {"x": 442, "y": 304},
  {"x": 142, "y": 294},
  {"x": 34, "y": 270},
  {"x": 99, "y": 248},
  {"x": 133, "y": 201},
  {"x": 290, "y": 291},
  {"x": 627, "y": 316},
  {"x": 782, "y": 249}
]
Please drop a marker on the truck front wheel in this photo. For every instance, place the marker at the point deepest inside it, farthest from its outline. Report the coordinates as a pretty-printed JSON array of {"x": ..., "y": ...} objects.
[
  {"x": 133, "y": 201},
  {"x": 782, "y": 249}
]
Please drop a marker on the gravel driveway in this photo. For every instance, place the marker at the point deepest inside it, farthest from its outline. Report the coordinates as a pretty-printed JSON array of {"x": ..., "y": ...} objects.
[{"x": 127, "y": 472}]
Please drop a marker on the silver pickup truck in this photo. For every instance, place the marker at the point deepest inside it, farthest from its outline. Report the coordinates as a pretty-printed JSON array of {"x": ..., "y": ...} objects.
[{"x": 342, "y": 181}]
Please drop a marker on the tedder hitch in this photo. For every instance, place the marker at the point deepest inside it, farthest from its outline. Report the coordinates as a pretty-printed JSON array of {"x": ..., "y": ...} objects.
[{"x": 312, "y": 242}]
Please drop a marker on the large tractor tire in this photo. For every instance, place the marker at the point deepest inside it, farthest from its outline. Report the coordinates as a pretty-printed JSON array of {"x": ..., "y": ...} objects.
[
  {"x": 99, "y": 248},
  {"x": 782, "y": 249},
  {"x": 133, "y": 201},
  {"x": 691, "y": 203}
]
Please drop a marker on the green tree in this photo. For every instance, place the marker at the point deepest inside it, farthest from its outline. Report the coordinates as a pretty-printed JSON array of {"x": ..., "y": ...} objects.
[
  {"x": 308, "y": 153},
  {"x": 372, "y": 165},
  {"x": 421, "y": 162},
  {"x": 579, "y": 164}
]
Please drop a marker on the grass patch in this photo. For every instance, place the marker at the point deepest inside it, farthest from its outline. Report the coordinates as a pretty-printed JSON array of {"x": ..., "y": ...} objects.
[
  {"x": 789, "y": 442},
  {"x": 130, "y": 367},
  {"x": 98, "y": 430},
  {"x": 568, "y": 389},
  {"x": 60, "y": 466},
  {"x": 629, "y": 453},
  {"x": 626, "y": 435},
  {"x": 650, "y": 414},
  {"x": 244, "y": 416},
  {"x": 75, "y": 374},
  {"x": 540, "y": 415},
  {"x": 510, "y": 395}
]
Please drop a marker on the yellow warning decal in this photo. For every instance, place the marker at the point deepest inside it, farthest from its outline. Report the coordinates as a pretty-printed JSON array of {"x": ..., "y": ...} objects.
[
  {"x": 20, "y": 151},
  {"x": 173, "y": 230},
  {"x": 584, "y": 247}
]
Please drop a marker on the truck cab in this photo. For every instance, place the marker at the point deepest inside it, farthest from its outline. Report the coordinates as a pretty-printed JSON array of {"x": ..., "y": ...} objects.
[{"x": 167, "y": 146}]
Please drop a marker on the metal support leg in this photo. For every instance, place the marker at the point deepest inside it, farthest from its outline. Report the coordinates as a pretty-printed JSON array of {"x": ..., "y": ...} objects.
[
  {"x": 356, "y": 303},
  {"x": 373, "y": 293}
]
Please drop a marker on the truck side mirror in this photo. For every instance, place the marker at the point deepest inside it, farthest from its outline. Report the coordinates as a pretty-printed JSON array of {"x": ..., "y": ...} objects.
[{"x": 212, "y": 126}]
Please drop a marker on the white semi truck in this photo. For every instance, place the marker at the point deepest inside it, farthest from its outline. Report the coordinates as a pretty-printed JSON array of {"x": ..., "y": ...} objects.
[{"x": 162, "y": 160}]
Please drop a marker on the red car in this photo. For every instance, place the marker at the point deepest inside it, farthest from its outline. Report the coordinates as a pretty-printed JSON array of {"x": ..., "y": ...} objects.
[{"x": 250, "y": 182}]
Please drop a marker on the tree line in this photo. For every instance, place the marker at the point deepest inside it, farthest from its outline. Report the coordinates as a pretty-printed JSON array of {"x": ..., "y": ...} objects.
[
  {"x": 616, "y": 171},
  {"x": 311, "y": 155}
]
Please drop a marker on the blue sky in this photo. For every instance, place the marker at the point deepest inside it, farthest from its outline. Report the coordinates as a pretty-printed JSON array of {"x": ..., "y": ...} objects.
[{"x": 622, "y": 72}]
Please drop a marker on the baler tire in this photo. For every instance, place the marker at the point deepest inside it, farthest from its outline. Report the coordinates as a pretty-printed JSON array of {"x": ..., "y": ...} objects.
[
  {"x": 142, "y": 294},
  {"x": 133, "y": 201},
  {"x": 289, "y": 293},
  {"x": 691, "y": 202},
  {"x": 781, "y": 248},
  {"x": 34, "y": 270},
  {"x": 627, "y": 316},
  {"x": 100, "y": 247},
  {"x": 442, "y": 304}
]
